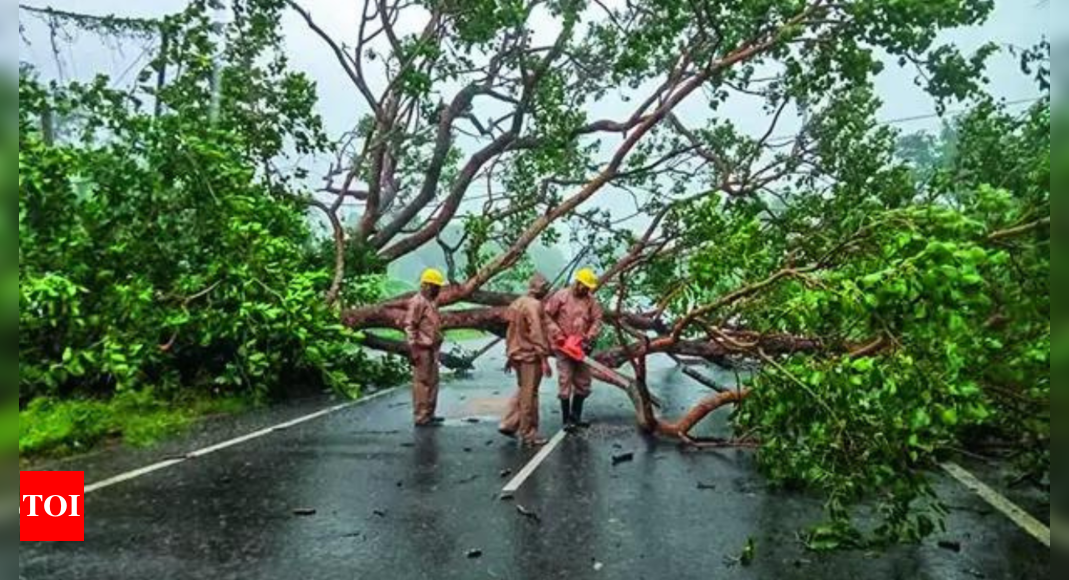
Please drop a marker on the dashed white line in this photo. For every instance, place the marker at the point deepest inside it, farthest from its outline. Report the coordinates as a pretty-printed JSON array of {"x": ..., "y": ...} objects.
[
  {"x": 517, "y": 482},
  {"x": 130, "y": 475},
  {"x": 1034, "y": 527}
]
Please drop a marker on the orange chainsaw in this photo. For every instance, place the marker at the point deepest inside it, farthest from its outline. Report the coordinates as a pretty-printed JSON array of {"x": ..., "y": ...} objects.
[{"x": 572, "y": 347}]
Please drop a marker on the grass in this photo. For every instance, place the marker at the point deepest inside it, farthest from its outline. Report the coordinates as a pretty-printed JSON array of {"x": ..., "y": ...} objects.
[
  {"x": 54, "y": 428},
  {"x": 457, "y": 335}
]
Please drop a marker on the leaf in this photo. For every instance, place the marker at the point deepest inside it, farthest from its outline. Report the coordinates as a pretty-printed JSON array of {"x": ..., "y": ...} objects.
[
  {"x": 921, "y": 419},
  {"x": 749, "y": 553}
]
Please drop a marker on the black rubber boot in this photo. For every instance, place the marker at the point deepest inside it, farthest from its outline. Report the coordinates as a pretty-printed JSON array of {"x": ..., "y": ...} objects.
[
  {"x": 577, "y": 413},
  {"x": 566, "y": 415}
]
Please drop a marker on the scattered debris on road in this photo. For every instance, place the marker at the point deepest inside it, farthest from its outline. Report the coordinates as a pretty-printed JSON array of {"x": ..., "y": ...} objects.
[
  {"x": 622, "y": 458},
  {"x": 304, "y": 512},
  {"x": 379, "y": 513},
  {"x": 505, "y": 473},
  {"x": 950, "y": 546},
  {"x": 468, "y": 479},
  {"x": 472, "y": 420},
  {"x": 528, "y": 514},
  {"x": 598, "y": 566},
  {"x": 706, "y": 486},
  {"x": 749, "y": 553},
  {"x": 475, "y": 554},
  {"x": 746, "y": 558}
]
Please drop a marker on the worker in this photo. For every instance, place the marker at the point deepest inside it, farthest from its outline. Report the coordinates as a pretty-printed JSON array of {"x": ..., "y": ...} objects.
[
  {"x": 573, "y": 312},
  {"x": 527, "y": 353},
  {"x": 423, "y": 331}
]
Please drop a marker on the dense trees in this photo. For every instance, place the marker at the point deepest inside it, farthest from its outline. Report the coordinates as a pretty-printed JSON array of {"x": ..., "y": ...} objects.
[{"x": 155, "y": 253}]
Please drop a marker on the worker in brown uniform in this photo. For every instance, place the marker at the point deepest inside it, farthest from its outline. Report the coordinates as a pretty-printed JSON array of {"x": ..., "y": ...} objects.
[
  {"x": 423, "y": 331},
  {"x": 527, "y": 352},
  {"x": 573, "y": 312}
]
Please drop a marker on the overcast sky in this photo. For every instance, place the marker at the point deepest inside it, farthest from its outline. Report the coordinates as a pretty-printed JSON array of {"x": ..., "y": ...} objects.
[{"x": 1014, "y": 22}]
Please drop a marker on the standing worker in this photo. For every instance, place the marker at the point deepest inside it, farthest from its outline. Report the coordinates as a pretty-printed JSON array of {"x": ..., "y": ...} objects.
[
  {"x": 528, "y": 352},
  {"x": 423, "y": 330},
  {"x": 573, "y": 312}
]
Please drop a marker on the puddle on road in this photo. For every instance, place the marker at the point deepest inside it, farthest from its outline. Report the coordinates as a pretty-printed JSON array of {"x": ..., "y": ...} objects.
[{"x": 482, "y": 407}]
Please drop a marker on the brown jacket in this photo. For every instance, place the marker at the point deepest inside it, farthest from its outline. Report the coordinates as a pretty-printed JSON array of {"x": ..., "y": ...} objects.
[
  {"x": 527, "y": 339},
  {"x": 423, "y": 323},
  {"x": 570, "y": 315}
]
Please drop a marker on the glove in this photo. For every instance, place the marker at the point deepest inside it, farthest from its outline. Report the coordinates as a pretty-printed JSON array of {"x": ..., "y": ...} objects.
[
  {"x": 508, "y": 367},
  {"x": 547, "y": 370}
]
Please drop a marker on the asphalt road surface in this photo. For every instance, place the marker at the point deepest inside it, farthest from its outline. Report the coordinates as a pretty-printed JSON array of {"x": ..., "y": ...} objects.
[{"x": 359, "y": 494}]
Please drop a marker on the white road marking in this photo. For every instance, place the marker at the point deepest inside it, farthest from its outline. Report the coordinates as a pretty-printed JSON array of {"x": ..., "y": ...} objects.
[
  {"x": 1020, "y": 517},
  {"x": 227, "y": 444},
  {"x": 529, "y": 469}
]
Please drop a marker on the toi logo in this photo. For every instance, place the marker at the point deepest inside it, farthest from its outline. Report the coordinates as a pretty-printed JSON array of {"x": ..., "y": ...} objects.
[{"x": 50, "y": 506}]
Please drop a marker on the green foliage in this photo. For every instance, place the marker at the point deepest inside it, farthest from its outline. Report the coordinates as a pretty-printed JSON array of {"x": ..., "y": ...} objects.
[
  {"x": 159, "y": 251},
  {"x": 962, "y": 314}
]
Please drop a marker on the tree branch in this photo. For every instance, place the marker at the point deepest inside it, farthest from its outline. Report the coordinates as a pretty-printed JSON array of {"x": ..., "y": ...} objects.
[{"x": 342, "y": 58}]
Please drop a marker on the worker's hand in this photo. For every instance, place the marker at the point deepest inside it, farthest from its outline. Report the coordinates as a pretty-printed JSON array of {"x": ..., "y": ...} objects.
[
  {"x": 547, "y": 370},
  {"x": 588, "y": 347},
  {"x": 508, "y": 367}
]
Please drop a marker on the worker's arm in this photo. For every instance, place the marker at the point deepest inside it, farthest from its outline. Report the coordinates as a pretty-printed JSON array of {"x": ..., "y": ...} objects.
[
  {"x": 596, "y": 318},
  {"x": 552, "y": 308},
  {"x": 536, "y": 322},
  {"x": 412, "y": 321}
]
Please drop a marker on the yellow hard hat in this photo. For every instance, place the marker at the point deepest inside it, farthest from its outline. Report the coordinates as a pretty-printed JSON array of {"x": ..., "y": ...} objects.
[
  {"x": 432, "y": 276},
  {"x": 587, "y": 278}
]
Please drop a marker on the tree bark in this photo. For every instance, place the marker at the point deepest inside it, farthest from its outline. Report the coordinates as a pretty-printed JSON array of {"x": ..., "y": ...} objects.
[{"x": 400, "y": 348}]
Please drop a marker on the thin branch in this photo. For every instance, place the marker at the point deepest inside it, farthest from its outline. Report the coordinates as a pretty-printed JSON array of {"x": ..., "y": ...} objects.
[
  {"x": 339, "y": 250},
  {"x": 1019, "y": 230},
  {"x": 341, "y": 56}
]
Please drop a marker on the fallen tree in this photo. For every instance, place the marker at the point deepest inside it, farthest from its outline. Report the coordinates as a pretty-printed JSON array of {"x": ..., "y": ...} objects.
[{"x": 805, "y": 245}]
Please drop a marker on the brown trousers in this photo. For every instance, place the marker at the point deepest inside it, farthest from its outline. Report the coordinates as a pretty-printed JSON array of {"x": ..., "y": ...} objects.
[
  {"x": 424, "y": 384},
  {"x": 522, "y": 415},
  {"x": 573, "y": 378}
]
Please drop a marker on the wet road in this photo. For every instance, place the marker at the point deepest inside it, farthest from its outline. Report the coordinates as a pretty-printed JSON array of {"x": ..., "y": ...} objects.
[{"x": 392, "y": 503}]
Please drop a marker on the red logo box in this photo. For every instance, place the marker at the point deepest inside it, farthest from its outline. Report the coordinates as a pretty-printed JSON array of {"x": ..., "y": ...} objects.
[{"x": 51, "y": 506}]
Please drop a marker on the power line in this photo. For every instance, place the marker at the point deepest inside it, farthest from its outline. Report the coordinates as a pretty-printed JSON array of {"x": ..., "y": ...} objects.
[{"x": 786, "y": 139}]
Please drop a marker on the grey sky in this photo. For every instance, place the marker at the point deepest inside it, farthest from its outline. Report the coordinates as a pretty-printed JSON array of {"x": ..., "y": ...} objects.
[{"x": 1014, "y": 22}]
